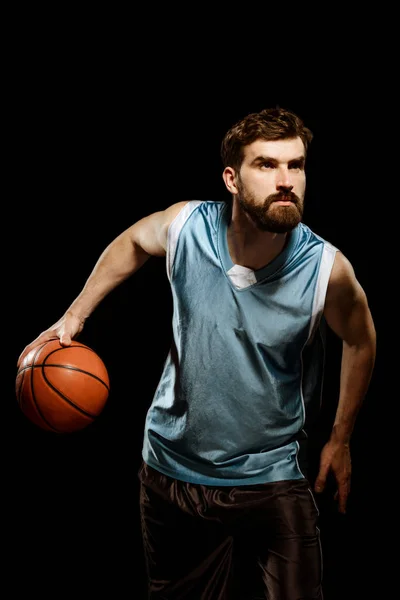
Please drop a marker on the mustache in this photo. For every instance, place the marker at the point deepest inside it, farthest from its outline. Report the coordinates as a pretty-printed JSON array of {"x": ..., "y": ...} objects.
[{"x": 284, "y": 197}]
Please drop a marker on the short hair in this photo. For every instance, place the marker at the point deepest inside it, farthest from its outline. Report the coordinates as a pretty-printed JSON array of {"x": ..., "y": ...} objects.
[{"x": 269, "y": 124}]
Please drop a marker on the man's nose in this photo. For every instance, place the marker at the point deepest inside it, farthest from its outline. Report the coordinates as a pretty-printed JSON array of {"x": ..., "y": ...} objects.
[
  {"x": 284, "y": 188},
  {"x": 283, "y": 180}
]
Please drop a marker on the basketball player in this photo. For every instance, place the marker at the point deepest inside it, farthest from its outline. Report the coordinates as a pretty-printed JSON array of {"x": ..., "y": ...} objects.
[{"x": 226, "y": 508}]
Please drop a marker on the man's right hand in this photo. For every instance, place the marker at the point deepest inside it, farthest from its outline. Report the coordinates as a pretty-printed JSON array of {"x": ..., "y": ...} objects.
[{"x": 67, "y": 328}]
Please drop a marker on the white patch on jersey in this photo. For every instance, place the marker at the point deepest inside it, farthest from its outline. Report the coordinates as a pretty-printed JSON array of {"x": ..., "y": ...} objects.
[{"x": 241, "y": 277}]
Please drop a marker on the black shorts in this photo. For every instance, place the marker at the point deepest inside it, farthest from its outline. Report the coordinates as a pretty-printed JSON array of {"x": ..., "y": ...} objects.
[{"x": 229, "y": 543}]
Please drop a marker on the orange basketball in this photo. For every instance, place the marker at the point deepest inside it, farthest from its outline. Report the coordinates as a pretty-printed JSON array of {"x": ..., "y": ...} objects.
[{"x": 62, "y": 388}]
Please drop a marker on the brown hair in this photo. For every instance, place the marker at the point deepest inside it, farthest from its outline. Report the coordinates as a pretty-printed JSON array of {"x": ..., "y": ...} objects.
[{"x": 269, "y": 124}]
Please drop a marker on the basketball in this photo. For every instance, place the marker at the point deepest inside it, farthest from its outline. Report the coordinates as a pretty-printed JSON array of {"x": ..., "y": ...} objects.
[{"x": 62, "y": 389}]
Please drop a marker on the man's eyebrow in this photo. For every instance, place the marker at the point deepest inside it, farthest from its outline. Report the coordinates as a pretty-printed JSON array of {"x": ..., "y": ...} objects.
[{"x": 261, "y": 159}]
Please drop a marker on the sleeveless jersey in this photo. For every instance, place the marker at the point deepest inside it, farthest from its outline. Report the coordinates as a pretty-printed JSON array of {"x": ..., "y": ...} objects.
[{"x": 245, "y": 367}]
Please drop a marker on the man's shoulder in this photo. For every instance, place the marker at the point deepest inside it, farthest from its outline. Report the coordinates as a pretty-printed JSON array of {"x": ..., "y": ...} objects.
[
  {"x": 308, "y": 231},
  {"x": 182, "y": 210}
]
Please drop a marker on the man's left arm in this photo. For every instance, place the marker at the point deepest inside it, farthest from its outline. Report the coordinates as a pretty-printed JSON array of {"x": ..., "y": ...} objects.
[{"x": 348, "y": 315}]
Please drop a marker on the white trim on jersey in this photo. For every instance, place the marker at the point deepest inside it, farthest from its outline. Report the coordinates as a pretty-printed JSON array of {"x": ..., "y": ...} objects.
[
  {"x": 327, "y": 260},
  {"x": 174, "y": 231}
]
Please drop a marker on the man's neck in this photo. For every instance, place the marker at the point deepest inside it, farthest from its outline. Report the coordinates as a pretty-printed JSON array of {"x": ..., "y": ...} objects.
[{"x": 251, "y": 247}]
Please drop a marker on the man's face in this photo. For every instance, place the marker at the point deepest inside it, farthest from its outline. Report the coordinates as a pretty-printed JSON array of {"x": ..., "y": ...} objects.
[{"x": 271, "y": 184}]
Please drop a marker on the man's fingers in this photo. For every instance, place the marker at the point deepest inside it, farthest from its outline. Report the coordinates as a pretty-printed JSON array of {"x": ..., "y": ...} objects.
[
  {"x": 44, "y": 337},
  {"x": 65, "y": 339},
  {"x": 342, "y": 495},
  {"x": 320, "y": 481}
]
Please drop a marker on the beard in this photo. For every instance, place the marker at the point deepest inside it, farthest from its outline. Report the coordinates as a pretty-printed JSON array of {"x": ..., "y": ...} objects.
[{"x": 272, "y": 217}]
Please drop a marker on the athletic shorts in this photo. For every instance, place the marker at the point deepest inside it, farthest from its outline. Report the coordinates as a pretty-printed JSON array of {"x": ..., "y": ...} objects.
[{"x": 229, "y": 543}]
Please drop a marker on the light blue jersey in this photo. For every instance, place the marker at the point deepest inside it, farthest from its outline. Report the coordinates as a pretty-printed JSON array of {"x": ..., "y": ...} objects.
[{"x": 246, "y": 363}]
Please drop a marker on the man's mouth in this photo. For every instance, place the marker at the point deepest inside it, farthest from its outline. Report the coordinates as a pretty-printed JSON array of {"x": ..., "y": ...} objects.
[{"x": 283, "y": 202}]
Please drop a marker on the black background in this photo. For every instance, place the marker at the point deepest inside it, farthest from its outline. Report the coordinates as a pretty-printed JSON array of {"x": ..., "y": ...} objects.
[{"x": 100, "y": 138}]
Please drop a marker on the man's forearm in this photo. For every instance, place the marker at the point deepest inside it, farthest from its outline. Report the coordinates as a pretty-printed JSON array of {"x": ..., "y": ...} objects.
[
  {"x": 356, "y": 371},
  {"x": 118, "y": 262}
]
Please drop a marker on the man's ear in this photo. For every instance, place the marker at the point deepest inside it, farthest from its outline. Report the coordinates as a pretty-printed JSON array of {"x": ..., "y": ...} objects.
[{"x": 229, "y": 177}]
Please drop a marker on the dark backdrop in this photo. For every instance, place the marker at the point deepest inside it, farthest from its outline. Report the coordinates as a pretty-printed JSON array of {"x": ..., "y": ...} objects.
[{"x": 96, "y": 146}]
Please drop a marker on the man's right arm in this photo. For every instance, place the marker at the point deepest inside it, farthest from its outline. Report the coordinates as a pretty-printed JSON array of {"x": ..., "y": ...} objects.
[{"x": 120, "y": 259}]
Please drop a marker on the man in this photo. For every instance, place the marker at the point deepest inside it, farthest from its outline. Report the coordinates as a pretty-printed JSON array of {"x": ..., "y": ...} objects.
[{"x": 226, "y": 508}]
